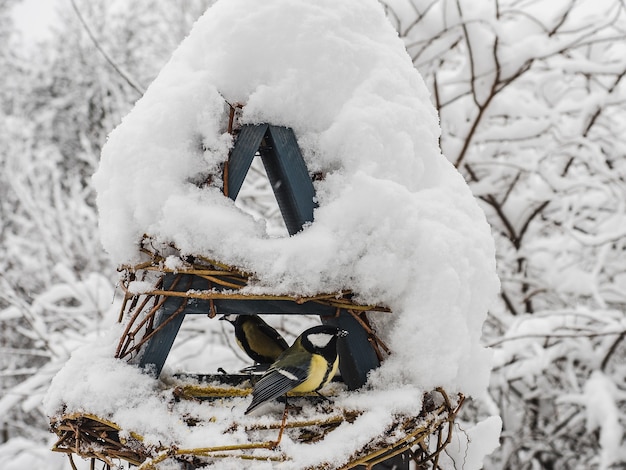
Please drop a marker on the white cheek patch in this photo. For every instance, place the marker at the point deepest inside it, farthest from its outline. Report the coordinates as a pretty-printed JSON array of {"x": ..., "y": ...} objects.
[
  {"x": 320, "y": 340},
  {"x": 287, "y": 374}
]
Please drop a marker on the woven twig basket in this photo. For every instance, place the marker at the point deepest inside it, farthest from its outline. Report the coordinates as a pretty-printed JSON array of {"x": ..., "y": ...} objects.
[{"x": 424, "y": 436}]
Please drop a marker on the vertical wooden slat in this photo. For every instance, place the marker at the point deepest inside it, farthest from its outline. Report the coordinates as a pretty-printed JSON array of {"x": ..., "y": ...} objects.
[
  {"x": 246, "y": 146},
  {"x": 357, "y": 356},
  {"x": 154, "y": 353},
  {"x": 289, "y": 177}
]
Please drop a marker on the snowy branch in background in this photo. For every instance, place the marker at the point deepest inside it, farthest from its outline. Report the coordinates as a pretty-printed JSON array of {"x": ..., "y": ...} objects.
[{"x": 531, "y": 100}]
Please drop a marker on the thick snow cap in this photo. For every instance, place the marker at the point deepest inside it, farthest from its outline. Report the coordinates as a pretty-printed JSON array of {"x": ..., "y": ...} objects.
[{"x": 396, "y": 223}]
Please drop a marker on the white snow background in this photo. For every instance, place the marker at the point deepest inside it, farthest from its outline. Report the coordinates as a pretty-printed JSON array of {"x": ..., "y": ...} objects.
[{"x": 396, "y": 223}]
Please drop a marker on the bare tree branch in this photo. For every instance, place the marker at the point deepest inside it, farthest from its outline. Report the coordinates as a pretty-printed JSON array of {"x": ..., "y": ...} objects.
[{"x": 133, "y": 83}]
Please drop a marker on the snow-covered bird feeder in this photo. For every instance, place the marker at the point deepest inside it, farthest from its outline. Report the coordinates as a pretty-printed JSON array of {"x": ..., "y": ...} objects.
[{"x": 385, "y": 241}]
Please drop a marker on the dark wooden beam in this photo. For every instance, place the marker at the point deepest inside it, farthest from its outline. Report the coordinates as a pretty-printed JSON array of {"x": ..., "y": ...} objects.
[
  {"x": 289, "y": 177},
  {"x": 245, "y": 148}
]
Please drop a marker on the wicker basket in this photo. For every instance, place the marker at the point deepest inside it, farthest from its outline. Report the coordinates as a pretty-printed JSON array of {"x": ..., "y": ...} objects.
[{"x": 423, "y": 436}]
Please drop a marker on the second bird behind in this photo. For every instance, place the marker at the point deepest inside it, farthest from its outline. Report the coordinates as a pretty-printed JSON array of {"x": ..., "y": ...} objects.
[{"x": 262, "y": 343}]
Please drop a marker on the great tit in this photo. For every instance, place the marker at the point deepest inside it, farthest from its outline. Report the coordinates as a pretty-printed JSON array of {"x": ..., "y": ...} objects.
[
  {"x": 308, "y": 365},
  {"x": 257, "y": 339}
]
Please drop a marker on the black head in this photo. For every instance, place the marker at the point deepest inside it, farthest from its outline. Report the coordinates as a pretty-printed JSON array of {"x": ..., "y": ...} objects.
[
  {"x": 231, "y": 318},
  {"x": 322, "y": 339}
]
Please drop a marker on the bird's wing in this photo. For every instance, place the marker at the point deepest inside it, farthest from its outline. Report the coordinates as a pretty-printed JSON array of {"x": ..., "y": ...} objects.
[
  {"x": 276, "y": 382},
  {"x": 255, "y": 369},
  {"x": 272, "y": 333}
]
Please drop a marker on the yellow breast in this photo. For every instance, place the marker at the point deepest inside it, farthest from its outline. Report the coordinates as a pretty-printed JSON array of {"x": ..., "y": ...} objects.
[{"x": 319, "y": 375}]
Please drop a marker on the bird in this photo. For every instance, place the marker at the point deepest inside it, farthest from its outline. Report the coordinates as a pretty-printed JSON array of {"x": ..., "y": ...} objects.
[
  {"x": 309, "y": 364},
  {"x": 262, "y": 343}
]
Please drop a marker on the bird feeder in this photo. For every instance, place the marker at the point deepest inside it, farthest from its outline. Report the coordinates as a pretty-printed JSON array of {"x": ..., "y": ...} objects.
[{"x": 201, "y": 286}]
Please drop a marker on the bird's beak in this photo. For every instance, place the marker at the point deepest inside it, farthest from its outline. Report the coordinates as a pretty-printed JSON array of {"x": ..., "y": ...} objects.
[{"x": 342, "y": 334}]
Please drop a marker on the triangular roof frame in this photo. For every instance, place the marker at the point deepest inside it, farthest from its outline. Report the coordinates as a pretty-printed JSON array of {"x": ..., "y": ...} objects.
[{"x": 285, "y": 170}]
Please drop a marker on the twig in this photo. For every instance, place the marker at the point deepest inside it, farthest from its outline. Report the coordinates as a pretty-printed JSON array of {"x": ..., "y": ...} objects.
[
  {"x": 611, "y": 351},
  {"x": 137, "y": 87},
  {"x": 554, "y": 335}
]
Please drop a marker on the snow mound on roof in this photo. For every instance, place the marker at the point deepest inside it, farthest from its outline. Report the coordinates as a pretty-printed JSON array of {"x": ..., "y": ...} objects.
[
  {"x": 335, "y": 72},
  {"x": 396, "y": 223}
]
